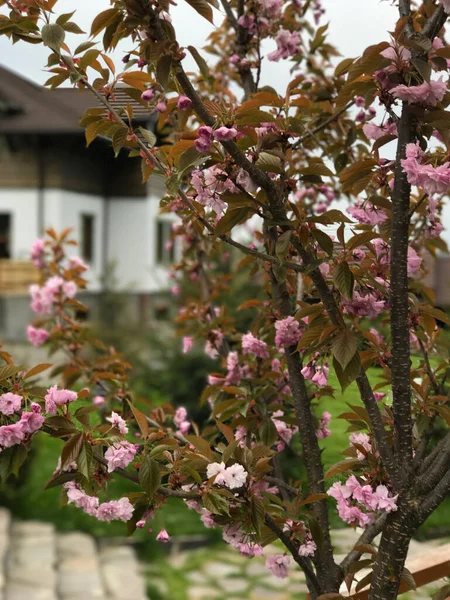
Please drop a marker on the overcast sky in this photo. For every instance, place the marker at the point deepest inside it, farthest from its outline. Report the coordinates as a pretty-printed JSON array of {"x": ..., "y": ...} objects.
[{"x": 354, "y": 25}]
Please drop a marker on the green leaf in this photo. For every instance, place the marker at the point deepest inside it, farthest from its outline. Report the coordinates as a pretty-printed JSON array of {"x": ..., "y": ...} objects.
[
  {"x": 350, "y": 373},
  {"x": 62, "y": 19},
  {"x": 283, "y": 243},
  {"x": 83, "y": 47},
  {"x": 361, "y": 239},
  {"x": 324, "y": 241},
  {"x": 163, "y": 69},
  {"x": 149, "y": 476},
  {"x": 268, "y": 432},
  {"x": 342, "y": 467},
  {"x": 344, "y": 347},
  {"x": 269, "y": 163},
  {"x": 344, "y": 279},
  {"x": 72, "y": 27},
  {"x": 84, "y": 460},
  {"x": 72, "y": 449},
  {"x": 330, "y": 217},
  {"x": 216, "y": 504},
  {"x": 203, "y": 9},
  {"x": 53, "y": 36},
  {"x": 201, "y": 62},
  {"x": 257, "y": 511},
  {"x": 118, "y": 139},
  {"x": 102, "y": 20},
  {"x": 8, "y": 371},
  {"x": 231, "y": 218},
  {"x": 317, "y": 168},
  {"x": 148, "y": 135},
  {"x": 422, "y": 67}
]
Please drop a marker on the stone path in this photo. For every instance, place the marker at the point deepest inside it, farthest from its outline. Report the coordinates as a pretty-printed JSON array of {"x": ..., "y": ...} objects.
[
  {"x": 221, "y": 574},
  {"x": 37, "y": 563}
]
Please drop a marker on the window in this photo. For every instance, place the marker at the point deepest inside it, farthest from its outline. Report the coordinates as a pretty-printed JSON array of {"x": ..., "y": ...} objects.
[
  {"x": 87, "y": 237},
  {"x": 165, "y": 252},
  {"x": 5, "y": 235}
]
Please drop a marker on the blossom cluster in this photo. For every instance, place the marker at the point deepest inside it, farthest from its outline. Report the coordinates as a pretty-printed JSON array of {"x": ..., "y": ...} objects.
[
  {"x": 121, "y": 510},
  {"x": 433, "y": 180},
  {"x": 232, "y": 477},
  {"x": 364, "y": 497},
  {"x": 29, "y": 422}
]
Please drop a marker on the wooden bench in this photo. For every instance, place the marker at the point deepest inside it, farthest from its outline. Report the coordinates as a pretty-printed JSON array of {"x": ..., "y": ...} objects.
[{"x": 432, "y": 565}]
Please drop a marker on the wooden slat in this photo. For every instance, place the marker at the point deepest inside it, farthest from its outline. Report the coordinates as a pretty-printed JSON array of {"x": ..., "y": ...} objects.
[
  {"x": 16, "y": 276},
  {"x": 430, "y": 566}
]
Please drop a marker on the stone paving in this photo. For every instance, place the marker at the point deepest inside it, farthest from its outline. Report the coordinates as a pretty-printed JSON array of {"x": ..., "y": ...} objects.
[
  {"x": 37, "y": 563},
  {"x": 221, "y": 574}
]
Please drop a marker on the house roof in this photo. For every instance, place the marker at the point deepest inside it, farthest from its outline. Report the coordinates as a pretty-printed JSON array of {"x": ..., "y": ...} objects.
[{"x": 26, "y": 107}]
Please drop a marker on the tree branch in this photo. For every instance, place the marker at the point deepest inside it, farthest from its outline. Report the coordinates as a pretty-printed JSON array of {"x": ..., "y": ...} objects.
[
  {"x": 303, "y": 563},
  {"x": 322, "y": 125},
  {"x": 401, "y": 361},
  {"x": 370, "y": 533},
  {"x": 435, "y": 23},
  {"x": 162, "y": 491}
]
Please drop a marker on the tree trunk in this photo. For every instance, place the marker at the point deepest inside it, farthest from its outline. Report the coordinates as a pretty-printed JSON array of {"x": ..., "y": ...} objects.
[{"x": 392, "y": 553}]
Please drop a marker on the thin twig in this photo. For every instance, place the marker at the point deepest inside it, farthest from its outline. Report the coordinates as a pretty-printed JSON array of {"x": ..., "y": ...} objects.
[{"x": 322, "y": 125}]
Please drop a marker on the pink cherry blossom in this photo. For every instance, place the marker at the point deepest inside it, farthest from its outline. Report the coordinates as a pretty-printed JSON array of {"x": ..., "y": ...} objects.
[
  {"x": 217, "y": 470},
  {"x": 10, "y": 403},
  {"x": 374, "y": 132},
  {"x": 287, "y": 45},
  {"x": 55, "y": 397},
  {"x": 10, "y": 435},
  {"x": 147, "y": 95},
  {"x": 363, "y": 440},
  {"x": 207, "y": 519},
  {"x": 278, "y": 564},
  {"x": 225, "y": 134},
  {"x": 163, "y": 536},
  {"x": 180, "y": 421},
  {"x": 253, "y": 345},
  {"x": 37, "y": 253},
  {"x": 287, "y": 332},
  {"x": 414, "y": 261},
  {"x": 188, "y": 342},
  {"x": 308, "y": 548},
  {"x": 368, "y": 214},
  {"x": 115, "y": 510},
  {"x": 36, "y": 335},
  {"x": 235, "y": 476},
  {"x": 272, "y": 7},
  {"x": 385, "y": 502},
  {"x": 184, "y": 103},
  {"x": 78, "y": 264},
  {"x": 41, "y": 299},
  {"x": 77, "y": 496},
  {"x": 98, "y": 400},
  {"x": 429, "y": 93},
  {"x": 235, "y": 372},
  {"x": 365, "y": 304},
  {"x": 30, "y": 422},
  {"x": 120, "y": 455},
  {"x": 161, "y": 107},
  {"x": 117, "y": 421}
]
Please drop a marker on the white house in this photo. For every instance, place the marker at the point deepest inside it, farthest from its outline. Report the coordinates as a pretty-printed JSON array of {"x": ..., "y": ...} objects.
[{"x": 48, "y": 178}]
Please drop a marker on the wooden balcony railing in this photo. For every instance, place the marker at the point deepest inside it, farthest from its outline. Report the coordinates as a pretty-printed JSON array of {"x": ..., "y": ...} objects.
[{"x": 16, "y": 276}]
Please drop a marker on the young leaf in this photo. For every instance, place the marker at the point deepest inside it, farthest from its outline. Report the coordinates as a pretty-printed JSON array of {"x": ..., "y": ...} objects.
[
  {"x": 72, "y": 449},
  {"x": 344, "y": 347},
  {"x": 149, "y": 476},
  {"x": 344, "y": 279},
  {"x": 350, "y": 373},
  {"x": 53, "y": 36}
]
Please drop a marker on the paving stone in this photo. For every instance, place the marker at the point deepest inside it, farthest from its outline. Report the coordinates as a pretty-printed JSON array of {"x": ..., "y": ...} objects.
[
  {"x": 256, "y": 569},
  {"x": 234, "y": 585},
  {"x": 203, "y": 593},
  {"x": 177, "y": 560},
  {"x": 260, "y": 593},
  {"x": 218, "y": 570},
  {"x": 196, "y": 577},
  {"x": 17, "y": 591},
  {"x": 121, "y": 575}
]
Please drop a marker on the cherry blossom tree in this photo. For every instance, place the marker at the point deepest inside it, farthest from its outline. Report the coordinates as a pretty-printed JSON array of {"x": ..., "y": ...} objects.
[{"x": 344, "y": 288}]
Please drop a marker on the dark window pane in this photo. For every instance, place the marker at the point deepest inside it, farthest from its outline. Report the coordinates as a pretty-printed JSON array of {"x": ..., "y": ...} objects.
[
  {"x": 87, "y": 237},
  {"x": 165, "y": 252},
  {"x": 5, "y": 235}
]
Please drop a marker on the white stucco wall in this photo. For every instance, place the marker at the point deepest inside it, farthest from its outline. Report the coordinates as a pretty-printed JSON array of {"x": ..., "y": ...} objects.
[
  {"x": 65, "y": 209},
  {"x": 22, "y": 205},
  {"x": 132, "y": 239}
]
